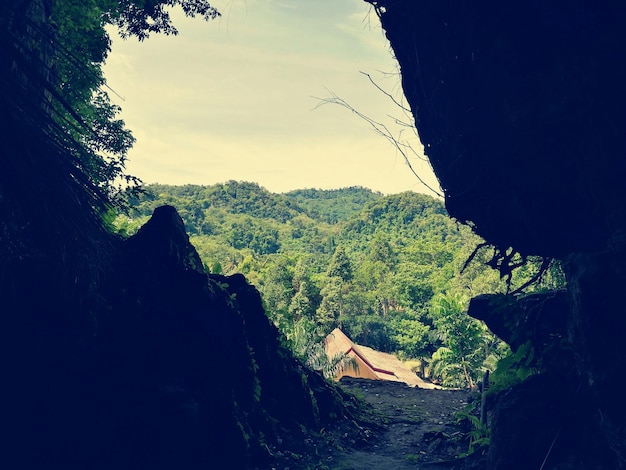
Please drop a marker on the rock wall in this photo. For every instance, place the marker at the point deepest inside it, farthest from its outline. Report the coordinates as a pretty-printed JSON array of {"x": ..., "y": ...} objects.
[
  {"x": 171, "y": 368},
  {"x": 521, "y": 108},
  {"x": 121, "y": 354}
]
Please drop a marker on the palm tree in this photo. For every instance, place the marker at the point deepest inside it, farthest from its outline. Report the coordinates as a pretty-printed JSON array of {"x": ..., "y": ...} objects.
[{"x": 459, "y": 360}]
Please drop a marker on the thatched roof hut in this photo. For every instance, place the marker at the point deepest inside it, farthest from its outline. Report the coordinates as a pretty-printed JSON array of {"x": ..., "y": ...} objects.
[{"x": 370, "y": 364}]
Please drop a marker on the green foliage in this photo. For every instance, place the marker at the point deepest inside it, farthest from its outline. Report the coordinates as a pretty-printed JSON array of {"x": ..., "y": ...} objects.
[
  {"x": 371, "y": 330},
  {"x": 216, "y": 268},
  {"x": 329, "y": 367},
  {"x": 411, "y": 336},
  {"x": 332, "y": 206},
  {"x": 513, "y": 368},
  {"x": 340, "y": 265},
  {"x": 140, "y": 18},
  {"x": 466, "y": 342},
  {"x": 331, "y": 306},
  {"x": 479, "y": 434},
  {"x": 126, "y": 226},
  {"x": 306, "y": 341},
  {"x": 261, "y": 239},
  {"x": 386, "y": 270},
  {"x": 80, "y": 104}
]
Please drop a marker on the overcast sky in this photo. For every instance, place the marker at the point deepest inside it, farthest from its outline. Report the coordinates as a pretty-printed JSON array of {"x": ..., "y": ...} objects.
[{"x": 235, "y": 98}]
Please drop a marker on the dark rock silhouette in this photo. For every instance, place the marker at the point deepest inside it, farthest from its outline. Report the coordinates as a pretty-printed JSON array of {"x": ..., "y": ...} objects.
[
  {"x": 199, "y": 350},
  {"x": 521, "y": 112},
  {"x": 539, "y": 318},
  {"x": 521, "y": 108},
  {"x": 121, "y": 354},
  {"x": 182, "y": 370}
]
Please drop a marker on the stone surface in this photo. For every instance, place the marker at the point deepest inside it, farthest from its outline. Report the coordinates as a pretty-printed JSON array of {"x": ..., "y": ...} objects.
[{"x": 521, "y": 109}]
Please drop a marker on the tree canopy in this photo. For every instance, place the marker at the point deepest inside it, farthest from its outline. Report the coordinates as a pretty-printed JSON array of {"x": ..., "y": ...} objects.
[
  {"x": 64, "y": 148},
  {"x": 380, "y": 267},
  {"x": 57, "y": 49}
]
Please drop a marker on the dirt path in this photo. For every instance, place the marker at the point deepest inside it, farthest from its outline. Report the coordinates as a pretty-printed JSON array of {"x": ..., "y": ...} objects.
[
  {"x": 401, "y": 428},
  {"x": 417, "y": 428}
]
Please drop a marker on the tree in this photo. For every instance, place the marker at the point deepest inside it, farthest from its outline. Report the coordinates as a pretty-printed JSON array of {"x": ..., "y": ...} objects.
[
  {"x": 372, "y": 331},
  {"x": 413, "y": 285},
  {"x": 240, "y": 235},
  {"x": 340, "y": 265},
  {"x": 216, "y": 268},
  {"x": 331, "y": 307},
  {"x": 265, "y": 240},
  {"x": 380, "y": 249},
  {"x": 277, "y": 291},
  {"x": 300, "y": 274},
  {"x": 301, "y": 304},
  {"x": 81, "y": 44},
  {"x": 140, "y": 18},
  {"x": 411, "y": 334},
  {"x": 307, "y": 293},
  {"x": 460, "y": 358}
]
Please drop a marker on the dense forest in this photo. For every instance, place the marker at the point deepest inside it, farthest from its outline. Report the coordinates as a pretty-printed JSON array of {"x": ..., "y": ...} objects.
[{"x": 389, "y": 270}]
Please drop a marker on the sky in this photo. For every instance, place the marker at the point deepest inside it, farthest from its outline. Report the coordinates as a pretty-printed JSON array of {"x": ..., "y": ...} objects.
[{"x": 238, "y": 98}]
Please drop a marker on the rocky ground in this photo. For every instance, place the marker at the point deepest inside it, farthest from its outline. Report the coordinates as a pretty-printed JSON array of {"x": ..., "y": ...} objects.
[{"x": 403, "y": 428}]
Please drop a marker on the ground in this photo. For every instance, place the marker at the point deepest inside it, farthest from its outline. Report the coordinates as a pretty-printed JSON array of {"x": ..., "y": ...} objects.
[{"x": 404, "y": 428}]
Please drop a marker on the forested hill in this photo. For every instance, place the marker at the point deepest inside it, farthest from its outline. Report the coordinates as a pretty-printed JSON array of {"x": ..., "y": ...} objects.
[
  {"x": 250, "y": 219},
  {"x": 386, "y": 269},
  {"x": 230, "y": 220},
  {"x": 232, "y": 197},
  {"x": 333, "y": 205},
  {"x": 240, "y": 197}
]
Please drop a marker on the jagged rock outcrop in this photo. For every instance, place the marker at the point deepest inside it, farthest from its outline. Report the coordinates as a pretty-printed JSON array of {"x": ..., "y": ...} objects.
[
  {"x": 197, "y": 350},
  {"x": 539, "y": 320},
  {"x": 179, "y": 369},
  {"x": 544, "y": 421},
  {"x": 119, "y": 354},
  {"x": 521, "y": 109}
]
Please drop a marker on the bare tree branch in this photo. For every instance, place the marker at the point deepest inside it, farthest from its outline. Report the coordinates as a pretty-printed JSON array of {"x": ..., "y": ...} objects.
[
  {"x": 384, "y": 92},
  {"x": 382, "y": 130}
]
